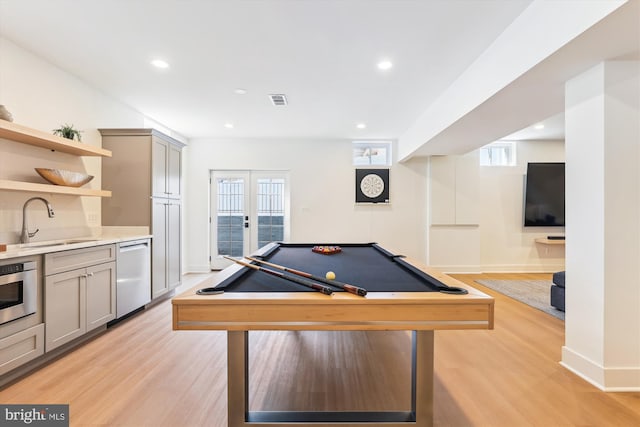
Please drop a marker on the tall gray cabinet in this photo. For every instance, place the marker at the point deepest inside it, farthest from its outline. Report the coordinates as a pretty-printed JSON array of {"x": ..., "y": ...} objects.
[{"x": 144, "y": 175}]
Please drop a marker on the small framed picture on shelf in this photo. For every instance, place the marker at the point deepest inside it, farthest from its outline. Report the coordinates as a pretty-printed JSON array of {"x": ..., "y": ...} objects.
[{"x": 372, "y": 185}]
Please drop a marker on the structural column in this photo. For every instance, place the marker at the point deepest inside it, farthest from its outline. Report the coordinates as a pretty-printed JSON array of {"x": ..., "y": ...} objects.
[{"x": 602, "y": 114}]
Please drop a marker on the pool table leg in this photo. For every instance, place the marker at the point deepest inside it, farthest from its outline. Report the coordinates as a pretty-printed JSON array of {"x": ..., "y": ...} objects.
[
  {"x": 237, "y": 377},
  {"x": 422, "y": 377},
  {"x": 421, "y": 382}
]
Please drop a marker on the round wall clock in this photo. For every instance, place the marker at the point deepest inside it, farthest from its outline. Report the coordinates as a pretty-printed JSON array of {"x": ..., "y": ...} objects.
[{"x": 372, "y": 185}]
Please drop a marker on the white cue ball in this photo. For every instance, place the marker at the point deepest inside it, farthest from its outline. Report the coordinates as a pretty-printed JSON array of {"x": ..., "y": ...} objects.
[{"x": 330, "y": 275}]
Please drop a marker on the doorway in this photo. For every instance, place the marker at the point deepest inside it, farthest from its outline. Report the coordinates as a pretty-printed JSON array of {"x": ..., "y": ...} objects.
[{"x": 248, "y": 210}]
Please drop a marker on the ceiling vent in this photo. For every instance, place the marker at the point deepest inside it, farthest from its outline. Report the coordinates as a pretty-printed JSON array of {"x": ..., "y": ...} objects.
[{"x": 278, "y": 99}]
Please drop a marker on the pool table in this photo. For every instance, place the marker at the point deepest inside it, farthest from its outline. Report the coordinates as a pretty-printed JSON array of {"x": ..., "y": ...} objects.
[{"x": 401, "y": 295}]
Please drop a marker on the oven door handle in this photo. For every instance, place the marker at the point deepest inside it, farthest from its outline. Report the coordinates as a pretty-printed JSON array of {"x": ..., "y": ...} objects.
[{"x": 13, "y": 277}]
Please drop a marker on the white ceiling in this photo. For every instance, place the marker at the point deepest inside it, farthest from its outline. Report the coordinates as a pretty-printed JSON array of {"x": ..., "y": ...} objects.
[
  {"x": 321, "y": 53},
  {"x": 551, "y": 128}
]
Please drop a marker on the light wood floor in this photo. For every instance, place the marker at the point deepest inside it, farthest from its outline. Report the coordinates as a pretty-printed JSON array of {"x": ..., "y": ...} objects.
[{"x": 141, "y": 373}]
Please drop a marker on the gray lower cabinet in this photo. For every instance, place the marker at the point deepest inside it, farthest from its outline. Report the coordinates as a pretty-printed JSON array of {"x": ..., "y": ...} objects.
[
  {"x": 165, "y": 250},
  {"x": 21, "y": 347},
  {"x": 22, "y": 340},
  {"x": 79, "y": 293}
]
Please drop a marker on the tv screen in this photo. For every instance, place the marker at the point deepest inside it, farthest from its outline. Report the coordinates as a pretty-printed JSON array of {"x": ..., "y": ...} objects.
[{"x": 544, "y": 195}]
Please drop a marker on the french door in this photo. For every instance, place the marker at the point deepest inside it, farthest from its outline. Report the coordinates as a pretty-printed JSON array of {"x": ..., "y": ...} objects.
[{"x": 248, "y": 210}]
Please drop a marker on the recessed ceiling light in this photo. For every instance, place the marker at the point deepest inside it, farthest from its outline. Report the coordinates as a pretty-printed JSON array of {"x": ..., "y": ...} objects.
[
  {"x": 228, "y": 125},
  {"x": 539, "y": 126},
  {"x": 159, "y": 63},
  {"x": 361, "y": 126},
  {"x": 240, "y": 91},
  {"x": 385, "y": 65}
]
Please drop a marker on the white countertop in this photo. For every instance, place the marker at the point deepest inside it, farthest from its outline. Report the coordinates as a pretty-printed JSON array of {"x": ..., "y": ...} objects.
[{"x": 44, "y": 247}]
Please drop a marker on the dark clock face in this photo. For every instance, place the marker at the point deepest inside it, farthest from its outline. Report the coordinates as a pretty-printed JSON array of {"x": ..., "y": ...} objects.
[{"x": 372, "y": 185}]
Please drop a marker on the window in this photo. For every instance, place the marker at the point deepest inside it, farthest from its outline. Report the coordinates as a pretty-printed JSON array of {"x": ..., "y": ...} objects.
[
  {"x": 500, "y": 153},
  {"x": 270, "y": 198},
  {"x": 372, "y": 153},
  {"x": 230, "y": 216}
]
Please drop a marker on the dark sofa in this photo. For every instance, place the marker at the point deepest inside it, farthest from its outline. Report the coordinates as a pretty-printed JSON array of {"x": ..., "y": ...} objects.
[{"x": 557, "y": 290}]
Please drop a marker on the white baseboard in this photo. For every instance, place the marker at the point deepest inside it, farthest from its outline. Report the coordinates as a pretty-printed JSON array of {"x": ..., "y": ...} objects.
[
  {"x": 197, "y": 269},
  {"x": 609, "y": 379},
  {"x": 470, "y": 269},
  {"x": 506, "y": 268}
]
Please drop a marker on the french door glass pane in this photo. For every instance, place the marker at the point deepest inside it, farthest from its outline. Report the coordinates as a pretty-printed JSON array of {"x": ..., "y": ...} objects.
[
  {"x": 270, "y": 203},
  {"x": 231, "y": 216}
]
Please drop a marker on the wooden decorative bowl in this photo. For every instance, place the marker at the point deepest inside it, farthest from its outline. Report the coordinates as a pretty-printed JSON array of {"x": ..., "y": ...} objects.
[{"x": 63, "y": 177}]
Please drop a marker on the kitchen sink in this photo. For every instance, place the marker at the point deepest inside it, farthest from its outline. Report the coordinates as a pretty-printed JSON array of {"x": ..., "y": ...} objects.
[
  {"x": 40, "y": 244},
  {"x": 55, "y": 243}
]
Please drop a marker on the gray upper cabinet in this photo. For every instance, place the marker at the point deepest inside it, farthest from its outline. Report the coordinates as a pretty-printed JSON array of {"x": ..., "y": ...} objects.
[
  {"x": 144, "y": 163},
  {"x": 166, "y": 168}
]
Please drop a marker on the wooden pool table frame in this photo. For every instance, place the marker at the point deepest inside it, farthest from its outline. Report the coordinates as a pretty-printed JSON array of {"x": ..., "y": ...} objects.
[{"x": 420, "y": 312}]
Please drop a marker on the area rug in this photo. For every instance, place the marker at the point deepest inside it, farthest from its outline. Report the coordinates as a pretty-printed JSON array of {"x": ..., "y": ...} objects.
[{"x": 531, "y": 292}]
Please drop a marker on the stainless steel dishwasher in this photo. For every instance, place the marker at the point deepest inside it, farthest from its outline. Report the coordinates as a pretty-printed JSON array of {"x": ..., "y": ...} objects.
[{"x": 133, "y": 276}]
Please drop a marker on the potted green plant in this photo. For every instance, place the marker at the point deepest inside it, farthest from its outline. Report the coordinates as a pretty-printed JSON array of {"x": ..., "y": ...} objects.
[{"x": 68, "y": 131}]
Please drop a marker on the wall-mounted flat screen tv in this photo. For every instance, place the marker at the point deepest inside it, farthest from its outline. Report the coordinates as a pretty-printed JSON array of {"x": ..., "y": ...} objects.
[{"x": 544, "y": 195}]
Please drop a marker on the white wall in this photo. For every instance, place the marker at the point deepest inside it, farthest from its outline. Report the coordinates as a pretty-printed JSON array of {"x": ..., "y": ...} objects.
[
  {"x": 322, "y": 194},
  {"x": 499, "y": 242},
  {"x": 454, "y": 202},
  {"x": 42, "y": 96},
  {"x": 506, "y": 245}
]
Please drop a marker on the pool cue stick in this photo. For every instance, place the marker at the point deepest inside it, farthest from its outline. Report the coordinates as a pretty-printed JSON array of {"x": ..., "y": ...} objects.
[
  {"x": 347, "y": 287},
  {"x": 309, "y": 284}
]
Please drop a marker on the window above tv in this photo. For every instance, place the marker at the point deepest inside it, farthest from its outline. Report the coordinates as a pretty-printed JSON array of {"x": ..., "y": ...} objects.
[{"x": 499, "y": 153}]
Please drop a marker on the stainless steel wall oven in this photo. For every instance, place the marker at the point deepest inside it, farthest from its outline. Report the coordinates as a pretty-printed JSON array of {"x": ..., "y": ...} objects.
[{"x": 18, "y": 290}]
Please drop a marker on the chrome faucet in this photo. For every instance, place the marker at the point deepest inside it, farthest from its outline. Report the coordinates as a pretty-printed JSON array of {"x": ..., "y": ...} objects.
[{"x": 26, "y": 235}]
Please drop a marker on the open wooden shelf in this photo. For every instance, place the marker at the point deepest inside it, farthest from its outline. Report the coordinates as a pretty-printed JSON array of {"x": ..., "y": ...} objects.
[
  {"x": 545, "y": 241},
  {"x": 25, "y": 135},
  {"x": 37, "y": 138},
  {"x": 51, "y": 189}
]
